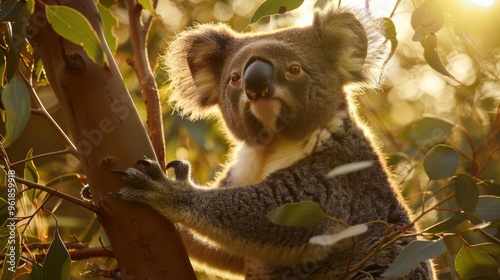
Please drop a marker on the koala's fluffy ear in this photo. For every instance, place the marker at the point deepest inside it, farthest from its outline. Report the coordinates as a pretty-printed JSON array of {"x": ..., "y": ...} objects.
[
  {"x": 357, "y": 37},
  {"x": 194, "y": 61}
]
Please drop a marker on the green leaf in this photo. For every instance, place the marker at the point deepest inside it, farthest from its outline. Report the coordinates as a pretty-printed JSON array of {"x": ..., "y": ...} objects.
[
  {"x": 349, "y": 168},
  {"x": 273, "y": 7},
  {"x": 148, "y": 6},
  {"x": 488, "y": 208},
  {"x": 489, "y": 248},
  {"x": 412, "y": 255},
  {"x": 441, "y": 162},
  {"x": 330, "y": 239},
  {"x": 16, "y": 100},
  {"x": 426, "y": 19},
  {"x": 16, "y": 41},
  {"x": 36, "y": 271},
  {"x": 73, "y": 26},
  {"x": 13, "y": 253},
  {"x": 10, "y": 10},
  {"x": 427, "y": 131},
  {"x": 466, "y": 193},
  {"x": 31, "y": 174},
  {"x": 300, "y": 214},
  {"x": 109, "y": 23},
  {"x": 473, "y": 264},
  {"x": 431, "y": 55},
  {"x": 446, "y": 225},
  {"x": 390, "y": 35},
  {"x": 57, "y": 264}
]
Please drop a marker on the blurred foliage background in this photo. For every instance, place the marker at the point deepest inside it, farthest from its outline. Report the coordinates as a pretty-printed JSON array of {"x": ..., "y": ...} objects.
[{"x": 468, "y": 44}]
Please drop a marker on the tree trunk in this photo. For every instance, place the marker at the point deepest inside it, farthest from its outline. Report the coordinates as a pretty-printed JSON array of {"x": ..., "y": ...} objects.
[{"x": 109, "y": 134}]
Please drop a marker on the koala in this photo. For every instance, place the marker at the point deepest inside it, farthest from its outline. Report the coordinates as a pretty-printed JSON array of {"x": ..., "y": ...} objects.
[{"x": 283, "y": 99}]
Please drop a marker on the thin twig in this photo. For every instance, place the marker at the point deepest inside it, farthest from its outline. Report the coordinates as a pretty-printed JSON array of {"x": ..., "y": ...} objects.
[
  {"x": 57, "y": 193},
  {"x": 43, "y": 112},
  {"x": 61, "y": 152}
]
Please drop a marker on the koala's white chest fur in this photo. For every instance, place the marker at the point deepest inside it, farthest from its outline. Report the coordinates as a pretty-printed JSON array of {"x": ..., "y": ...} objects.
[{"x": 252, "y": 164}]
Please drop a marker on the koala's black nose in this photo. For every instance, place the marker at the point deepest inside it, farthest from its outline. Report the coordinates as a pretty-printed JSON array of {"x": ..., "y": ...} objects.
[{"x": 258, "y": 80}]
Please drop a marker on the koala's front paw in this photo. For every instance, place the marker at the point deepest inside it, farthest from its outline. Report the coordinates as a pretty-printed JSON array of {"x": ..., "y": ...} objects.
[
  {"x": 152, "y": 184},
  {"x": 142, "y": 186}
]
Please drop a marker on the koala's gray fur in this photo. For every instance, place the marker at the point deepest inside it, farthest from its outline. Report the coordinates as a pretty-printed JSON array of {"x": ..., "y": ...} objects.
[{"x": 287, "y": 139}]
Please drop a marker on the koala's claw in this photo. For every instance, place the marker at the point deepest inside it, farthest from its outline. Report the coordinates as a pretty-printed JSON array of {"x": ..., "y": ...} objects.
[
  {"x": 145, "y": 162},
  {"x": 182, "y": 169},
  {"x": 120, "y": 172}
]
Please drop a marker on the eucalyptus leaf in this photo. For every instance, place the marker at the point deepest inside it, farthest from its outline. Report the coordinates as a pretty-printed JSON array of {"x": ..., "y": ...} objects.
[
  {"x": 109, "y": 22},
  {"x": 431, "y": 56},
  {"x": 147, "y": 5},
  {"x": 441, "y": 162},
  {"x": 17, "y": 103},
  {"x": 473, "y": 264},
  {"x": 426, "y": 19},
  {"x": 36, "y": 271},
  {"x": 427, "y": 131},
  {"x": 57, "y": 264},
  {"x": 488, "y": 207},
  {"x": 466, "y": 193},
  {"x": 412, "y": 255},
  {"x": 446, "y": 225},
  {"x": 273, "y": 7},
  {"x": 349, "y": 168},
  {"x": 330, "y": 239},
  {"x": 390, "y": 35},
  {"x": 299, "y": 214},
  {"x": 73, "y": 26}
]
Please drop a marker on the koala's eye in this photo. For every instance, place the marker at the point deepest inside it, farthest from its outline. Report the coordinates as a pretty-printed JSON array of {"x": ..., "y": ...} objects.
[
  {"x": 294, "y": 69},
  {"x": 235, "y": 77}
]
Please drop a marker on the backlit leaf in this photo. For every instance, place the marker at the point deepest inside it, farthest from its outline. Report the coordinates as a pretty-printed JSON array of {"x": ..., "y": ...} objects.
[
  {"x": 473, "y": 264},
  {"x": 466, "y": 193},
  {"x": 432, "y": 58},
  {"x": 349, "y": 168},
  {"x": 73, "y": 26},
  {"x": 426, "y": 19},
  {"x": 147, "y": 5},
  {"x": 109, "y": 23},
  {"x": 488, "y": 207},
  {"x": 30, "y": 174},
  {"x": 426, "y": 132},
  {"x": 441, "y": 162},
  {"x": 299, "y": 214},
  {"x": 16, "y": 100},
  {"x": 57, "y": 264},
  {"x": 412, "y": 255},
  {"x": 273, "y": 7},
  {"x": 390, "y": 35},
  {"x": 446, "y": 225},
  {"x": 330, "y": 239},
  {"x": 36, "y": 271}
]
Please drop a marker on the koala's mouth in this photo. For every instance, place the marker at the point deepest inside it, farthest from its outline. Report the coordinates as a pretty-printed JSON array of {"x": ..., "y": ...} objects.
[{"x": 267, "y": 111}]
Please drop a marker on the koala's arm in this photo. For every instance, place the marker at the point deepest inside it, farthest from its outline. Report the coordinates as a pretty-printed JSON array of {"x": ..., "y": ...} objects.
[{"x": 233, "y": 218}]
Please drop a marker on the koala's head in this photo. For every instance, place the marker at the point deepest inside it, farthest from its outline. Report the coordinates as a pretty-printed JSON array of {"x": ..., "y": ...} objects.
[{"x": 285, "y": 83}]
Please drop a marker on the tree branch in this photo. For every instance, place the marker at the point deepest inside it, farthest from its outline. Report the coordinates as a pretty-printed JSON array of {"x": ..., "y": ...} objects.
[{"x": 142, "y": 68}]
